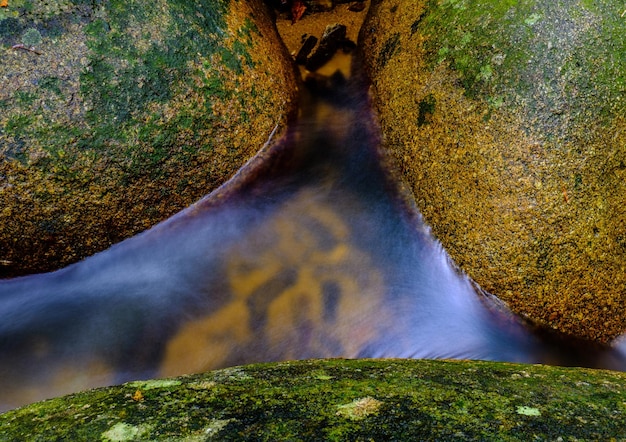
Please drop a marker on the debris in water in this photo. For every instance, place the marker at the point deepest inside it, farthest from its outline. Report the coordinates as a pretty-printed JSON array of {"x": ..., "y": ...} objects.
[{"x": 297, "y": 10}]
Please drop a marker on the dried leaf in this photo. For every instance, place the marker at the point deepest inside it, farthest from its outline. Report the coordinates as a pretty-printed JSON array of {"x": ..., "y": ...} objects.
[
  {"x": 297, "y": 10},
  {"x": 138, "y": 396}
]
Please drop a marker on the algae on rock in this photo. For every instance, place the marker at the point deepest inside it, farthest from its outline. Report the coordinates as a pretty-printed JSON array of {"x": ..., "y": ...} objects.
[
  {"x": 339, "y": 400},
  {"x": 507, "y": 119},
  {"x": 115, "y": 115}
]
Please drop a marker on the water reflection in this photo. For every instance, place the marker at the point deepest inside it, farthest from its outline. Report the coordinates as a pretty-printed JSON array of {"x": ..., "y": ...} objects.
[{"x": 307, "y": 253}]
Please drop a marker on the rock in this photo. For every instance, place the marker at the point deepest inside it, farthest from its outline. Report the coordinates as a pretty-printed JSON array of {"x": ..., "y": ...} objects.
[
  {"x": 115, "y": 115},
  {"x": 332, "y": 39},
  {"x": 319, "y": 5},
  {"x": 341, "y": 400},
  {"x": 507, "y": 121},
  {"x": 305, "y": 49}
]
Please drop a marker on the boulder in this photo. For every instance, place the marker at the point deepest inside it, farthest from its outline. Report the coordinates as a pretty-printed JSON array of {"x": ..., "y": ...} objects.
[
  {"x": 507, "y": 120},
  {"x": 339, "y": 400},
  {"x": 115, "y": 115}
]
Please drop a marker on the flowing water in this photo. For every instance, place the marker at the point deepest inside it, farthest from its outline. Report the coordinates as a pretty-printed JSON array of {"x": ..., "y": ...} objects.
[{"x": 310, "y": 251}]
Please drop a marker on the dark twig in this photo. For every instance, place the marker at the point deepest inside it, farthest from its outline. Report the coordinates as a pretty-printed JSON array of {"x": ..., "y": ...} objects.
[{"x": 26, "y": 48}]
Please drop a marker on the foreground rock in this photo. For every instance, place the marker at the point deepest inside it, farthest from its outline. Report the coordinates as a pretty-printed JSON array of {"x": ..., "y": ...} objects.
[
  {"x": 115, "y": 115},
  {"x": 507, "y": 120},
  {"x": 341, "y": 400}
]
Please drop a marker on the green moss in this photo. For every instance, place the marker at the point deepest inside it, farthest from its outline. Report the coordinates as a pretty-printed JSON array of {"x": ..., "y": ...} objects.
[
  {"x": 491, "y": 45},
  {"x": 18, "y": 125},
  {"x": 231, "y": 59},
  {"x": 390, "y": 48},
  {"x": 28, "y": 6},
  {"x": 31, "y": 37},
  {"x": 607, "y": 60},
  {"x": 51, "y": 83},
  {"x": 25, "y": 97},
  {"x": 146, "y": 75},
  {"x": 214, "y": 87},
  {"x": 458, "y": 32},
  {"x": 249, "y": 28},
  {"x": 426, "y": 108},
  {"x": 353, "y": 400},
  {"x": 152, "y": 75}
]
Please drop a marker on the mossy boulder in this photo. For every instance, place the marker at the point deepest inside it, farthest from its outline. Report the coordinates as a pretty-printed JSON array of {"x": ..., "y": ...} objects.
[
  {"x": 341, "y": 400},
  {"x": 114, "y": 115},
  {"x": 507, "y": 119}
]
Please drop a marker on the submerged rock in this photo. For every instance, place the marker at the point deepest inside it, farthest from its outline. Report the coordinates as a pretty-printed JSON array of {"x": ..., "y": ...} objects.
[
  {"x": 114, "y": 115},
  {"x": 507, "y": 121},
  {"x": 340, "y": 400}
]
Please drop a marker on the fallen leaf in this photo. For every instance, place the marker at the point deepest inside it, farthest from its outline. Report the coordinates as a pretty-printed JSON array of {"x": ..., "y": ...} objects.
[
  {"x": 297, "y": 10},
  {"x": 138, "y": 396}
]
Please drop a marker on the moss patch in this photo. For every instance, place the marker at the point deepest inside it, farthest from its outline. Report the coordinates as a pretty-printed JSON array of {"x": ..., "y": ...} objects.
[{"x": 365, "y": 399}]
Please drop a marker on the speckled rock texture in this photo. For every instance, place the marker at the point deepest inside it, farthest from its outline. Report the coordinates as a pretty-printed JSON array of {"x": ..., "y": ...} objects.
[
  {"x": 116, "y": 114},
  {"x": 507, "y": 119},
  {"x": 341, "y": 400}
]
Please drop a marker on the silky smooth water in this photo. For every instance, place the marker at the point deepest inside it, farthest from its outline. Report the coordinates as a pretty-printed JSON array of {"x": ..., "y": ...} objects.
[{"x": 310, "y": 251}]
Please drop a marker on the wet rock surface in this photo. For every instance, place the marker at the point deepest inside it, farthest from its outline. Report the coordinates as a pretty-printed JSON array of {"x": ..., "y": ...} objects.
[
  {"x": 116, "y": 115},
  {"x": 507, "y": 121},
  {"x": 340, "y": 400}
]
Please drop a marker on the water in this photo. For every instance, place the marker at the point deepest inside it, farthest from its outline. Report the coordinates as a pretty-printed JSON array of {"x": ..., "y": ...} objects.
[{"x": 309, "y": 252}]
